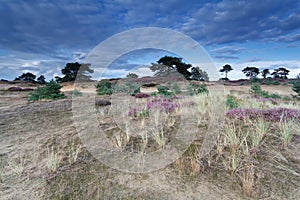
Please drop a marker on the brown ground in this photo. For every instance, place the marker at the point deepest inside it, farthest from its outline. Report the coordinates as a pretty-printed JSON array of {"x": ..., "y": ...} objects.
[{"x": 28, "y": 130}]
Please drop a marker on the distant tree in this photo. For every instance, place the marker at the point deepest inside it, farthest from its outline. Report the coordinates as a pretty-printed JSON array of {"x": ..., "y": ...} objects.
[
  {"x": 251, "y": 72},
  {"x": 168, "y": 65},
  {"x": 72, "y": 70},
  {"x": 198, "y": 74},
  {"x": 281, "y": 72},
  {"x": 298, "y": 76},
  {"x": 28, "y": 77},
  {"x": 265, "y": 72},
  {"x": 226, "y": 68},
  {"x": 132, "y": 75},
  {"x": 41, "y": 79}
]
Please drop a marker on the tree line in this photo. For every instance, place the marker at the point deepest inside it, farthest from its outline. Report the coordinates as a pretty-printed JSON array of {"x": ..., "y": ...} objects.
[
  {"x": 165, "y": 66},
  {"x": 253, "y": 72}
]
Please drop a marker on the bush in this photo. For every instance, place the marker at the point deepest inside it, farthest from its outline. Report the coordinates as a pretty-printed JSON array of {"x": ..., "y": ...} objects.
[
  {"x": 296, "y": 87},
  {"x": 231, "y": 102},
  {"x": 175, "y": 88},
  {"x": 128, "y": 87},
  {"x": 104, "y": 87},
  {"x": 202, "y": 89},
  {"x": 276, "y": 83},
  {"x": 163, "y": 90},
  {"x": 50, "y": 91},
  {"x": 256, "y": 89},
  {"x": 76, "y": 93},
  {"x": 195, "y": 89}
]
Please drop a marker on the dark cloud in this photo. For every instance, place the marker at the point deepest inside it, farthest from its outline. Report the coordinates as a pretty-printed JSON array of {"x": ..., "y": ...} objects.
[
  {"x": 66, "y": 30},
  {"x": 241, "y": 21},
  {"x": 227, "y": 57}
]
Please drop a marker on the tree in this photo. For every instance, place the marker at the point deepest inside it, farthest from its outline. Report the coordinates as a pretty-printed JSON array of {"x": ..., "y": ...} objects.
[
  {"x": 28, "y": 77},
  {"x": 226, "y": 68},
  {"x": 132, "y": 75},
  {"x": 50, "y": 91},
  {"x": 168, "y": 65},
  {"x": 265, "y": 72},
  {"x": 281, "y": 72},
  {"x": 198, "y": 74},
  {"x": 72, "y": 70},
  {"x": 251, "y": 72},
  {"x": 41, "y": 79}
]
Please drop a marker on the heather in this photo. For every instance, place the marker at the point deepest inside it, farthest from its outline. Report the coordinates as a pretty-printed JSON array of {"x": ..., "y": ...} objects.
[{"x": 271, "y": 114}]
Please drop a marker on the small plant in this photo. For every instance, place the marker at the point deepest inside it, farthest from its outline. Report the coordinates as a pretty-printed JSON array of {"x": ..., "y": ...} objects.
[
  {"x": 231, "y": 102},
  {"x": 285, "y": 129},
  {"x": 104, "y": 88},
  {"x": 202, "y": 89},
  {"x": 76, "y": 93},
  {"x": 158, "y": 134},
  {"x": 175, "y": 88},
  {"x": 195, "y": 89},
  {"x": 73, "y": 152},
  {"x": 163, "y": 90},
  {"x": 261, "y": 129},
  {"x": 17, "y": 165},
  {"x": 53, "y": 160},
  {"x": 296, "y": 87},
  {"x": 50, "y": 91}
]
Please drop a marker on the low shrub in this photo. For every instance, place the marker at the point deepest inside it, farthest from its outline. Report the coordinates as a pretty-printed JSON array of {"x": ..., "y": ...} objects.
[
  {"x": 163, "y": 90},
  {"x": 272, "y": 114},
  {"x": 104, "y": 88},
  {"x": 50, "y": 91},
  {"x": 296, "y": 87},
  {"x": 163, "y": 104},
  {"x": 175, "y": 88},
  {"x": 231, "y": 102},
  {"x": 76, "y": 93},
  {"x": 130, "y": 87},
  {"x": 194, "y": 89}
]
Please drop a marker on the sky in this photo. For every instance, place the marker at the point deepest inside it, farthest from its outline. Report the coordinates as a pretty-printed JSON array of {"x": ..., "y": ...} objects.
[{"x": 41, "y": 36}]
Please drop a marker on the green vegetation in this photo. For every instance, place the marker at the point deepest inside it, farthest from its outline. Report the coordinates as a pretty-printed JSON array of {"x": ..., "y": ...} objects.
[
  {"x": 256, "y": 89},
  {"x": 296, "y": 87},
  {"x": 50, "y": 91},
  {"x": 104, "y": 88},
  {"x": 231, "y": 102},
  {"x": 163, "y": 90}
]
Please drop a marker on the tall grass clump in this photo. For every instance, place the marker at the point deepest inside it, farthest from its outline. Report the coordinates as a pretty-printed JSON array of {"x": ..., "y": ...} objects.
[{"x": 285, "y": 131}]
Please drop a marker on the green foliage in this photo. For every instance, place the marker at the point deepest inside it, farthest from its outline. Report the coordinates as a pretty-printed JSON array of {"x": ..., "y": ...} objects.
[
  {"x": 296, "y": 87},
  {"x": 251, "y": 72},
  {"x": 199, "y": 74},
  {"x": 202, "y": 89},
  {"x": 72, "y": 70},
  {"x": 130, "y": 87},
  {"x": 50, "y": 91},
  {"x": 41, "y": 79},
  {"x": 76, "y": 93},
  {"x": 194, "y": 89},
  {"x": 104, "y": 88},
  {"x": 163, "y": 90},
  {"x": 28, "y": 77},
  {"x": 132, "y": 75},
  {"x": 231, "y": 102},
  {"x": 226, "y": 68},
  {"x": 256, "y": 89},
  {"x": 175, "y": 88}
]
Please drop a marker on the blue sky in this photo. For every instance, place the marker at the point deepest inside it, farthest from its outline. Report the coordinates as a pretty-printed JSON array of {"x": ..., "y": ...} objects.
[{"x": 41, "y": 36}]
